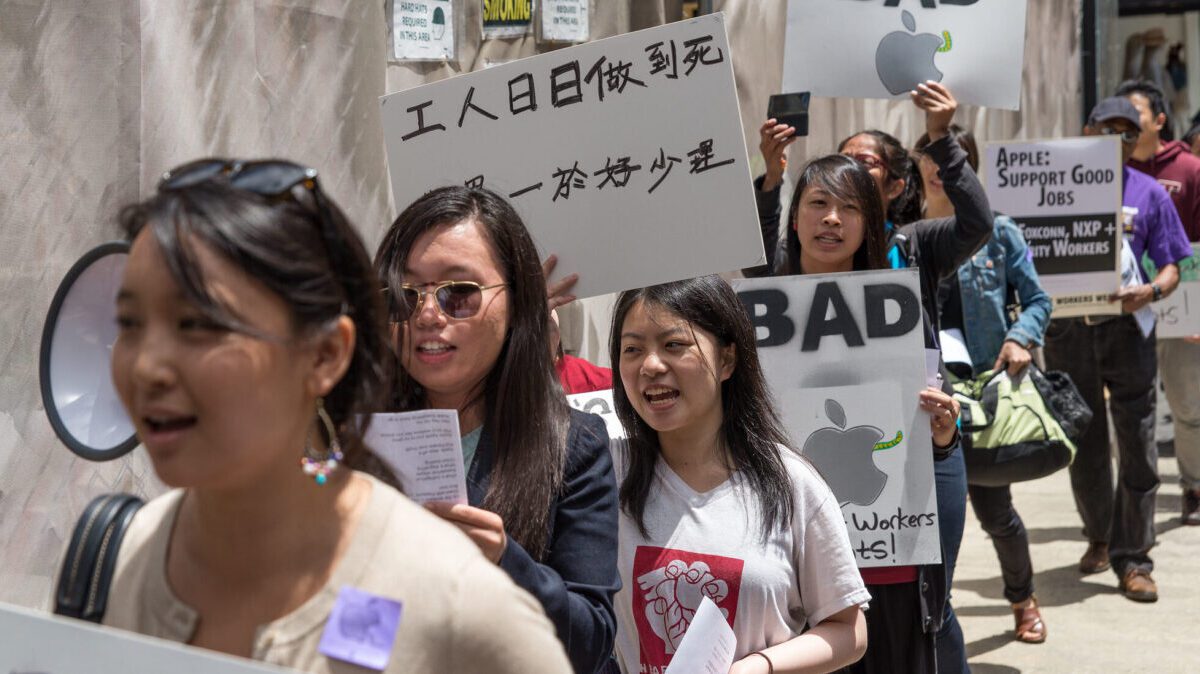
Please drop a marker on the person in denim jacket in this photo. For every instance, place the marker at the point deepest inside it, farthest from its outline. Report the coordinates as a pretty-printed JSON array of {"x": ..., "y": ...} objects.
[
  {"x": 975, "y": 302},
  {"x": 993, "y": 339}
]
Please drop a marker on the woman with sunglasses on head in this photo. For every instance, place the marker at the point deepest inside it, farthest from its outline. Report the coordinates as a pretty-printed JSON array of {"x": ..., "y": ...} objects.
[
  {"x": 974, "y": 301},
  {"x": 251, "y": 349},
  {"x": 937, "y": 247},
  {"x": 470, "y": 324},
  {"x": 714, "y": 502}
]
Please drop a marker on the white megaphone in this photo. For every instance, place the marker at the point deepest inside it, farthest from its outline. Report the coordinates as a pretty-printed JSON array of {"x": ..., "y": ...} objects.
[{"x": 74, "y": 364}]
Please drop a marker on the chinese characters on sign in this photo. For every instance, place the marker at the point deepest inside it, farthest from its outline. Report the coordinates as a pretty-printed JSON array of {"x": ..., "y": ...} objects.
[{"x": 589, "y": 145}]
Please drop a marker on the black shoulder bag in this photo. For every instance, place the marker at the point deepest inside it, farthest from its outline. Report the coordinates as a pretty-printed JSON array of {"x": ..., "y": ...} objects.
[{"x": 91, "y": 560}]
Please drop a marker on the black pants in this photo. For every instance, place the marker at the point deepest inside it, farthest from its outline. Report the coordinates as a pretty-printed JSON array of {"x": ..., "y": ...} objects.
[
  {"x": 898, "y": 642},
  {"x": 1113, "y": 355},
  {"x": 994, "y": 509}
]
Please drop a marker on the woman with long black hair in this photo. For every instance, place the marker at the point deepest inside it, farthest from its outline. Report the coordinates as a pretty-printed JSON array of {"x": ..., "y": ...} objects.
[
  {"x": 937, "y": 247},
  {"x": 715, "y": 504},
  {"x": 469, "y": 312}
]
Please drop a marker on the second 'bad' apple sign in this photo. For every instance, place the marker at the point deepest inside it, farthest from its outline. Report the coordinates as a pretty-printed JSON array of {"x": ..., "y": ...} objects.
[{"x": 905, "y": 59}]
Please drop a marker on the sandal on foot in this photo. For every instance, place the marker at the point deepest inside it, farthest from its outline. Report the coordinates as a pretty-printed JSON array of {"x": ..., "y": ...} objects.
[{"x": 1031, "y": 629}]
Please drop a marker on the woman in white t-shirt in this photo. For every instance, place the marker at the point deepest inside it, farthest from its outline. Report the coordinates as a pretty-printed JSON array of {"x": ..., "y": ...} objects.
[{"x": 713, "y": 502}]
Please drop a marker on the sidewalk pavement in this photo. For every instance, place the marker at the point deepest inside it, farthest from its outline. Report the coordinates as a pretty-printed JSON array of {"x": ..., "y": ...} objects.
[{"x": 1091, "y": 627}]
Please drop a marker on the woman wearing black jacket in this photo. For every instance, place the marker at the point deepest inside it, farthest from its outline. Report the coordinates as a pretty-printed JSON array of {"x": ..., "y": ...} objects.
[
  {"x": 937, "y": 247},
  {"x": 469, "y": 320}
]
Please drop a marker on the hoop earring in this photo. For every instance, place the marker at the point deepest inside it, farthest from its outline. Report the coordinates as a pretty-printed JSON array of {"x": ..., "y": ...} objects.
[{"x": 312, "y": 463}]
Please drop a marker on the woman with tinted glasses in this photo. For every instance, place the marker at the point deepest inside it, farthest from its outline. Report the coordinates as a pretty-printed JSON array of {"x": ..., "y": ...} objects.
[
  {"x": 251, "y": 347},
  {"x": 470, "y": 325},
  {"x": 937, "y": 247}
]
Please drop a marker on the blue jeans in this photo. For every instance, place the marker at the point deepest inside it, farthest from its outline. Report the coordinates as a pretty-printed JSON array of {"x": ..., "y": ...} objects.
[{"x": 950, "y": 475}]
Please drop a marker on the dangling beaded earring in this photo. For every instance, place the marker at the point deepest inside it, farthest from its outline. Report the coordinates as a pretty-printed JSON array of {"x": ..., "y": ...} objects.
[{"x": 312, "y": 463}]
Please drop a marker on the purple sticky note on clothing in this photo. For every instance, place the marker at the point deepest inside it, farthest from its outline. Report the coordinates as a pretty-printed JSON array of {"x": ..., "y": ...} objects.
[{"x": 361, "y": 629}]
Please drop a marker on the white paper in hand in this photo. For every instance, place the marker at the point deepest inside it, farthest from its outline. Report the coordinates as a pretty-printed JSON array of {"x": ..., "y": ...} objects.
[
  {"x": 424, "y": 450},
  {"x": 708, "y": 645}
]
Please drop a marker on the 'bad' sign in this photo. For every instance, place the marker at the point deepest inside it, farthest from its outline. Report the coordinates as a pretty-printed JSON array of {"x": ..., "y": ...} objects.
[
  {"x": 844, "y": 355},
  {"x": 589, "y": 145},
  {"x": 1065, "y": 195}
]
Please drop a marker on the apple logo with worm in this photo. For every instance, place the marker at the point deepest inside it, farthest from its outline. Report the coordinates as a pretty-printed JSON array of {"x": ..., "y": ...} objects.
[
  {"x": 845, "y": 457},
  {"x": 904, "y": 59}
]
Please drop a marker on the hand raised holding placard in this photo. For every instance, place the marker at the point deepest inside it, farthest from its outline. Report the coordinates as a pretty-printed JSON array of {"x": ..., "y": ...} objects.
[
  {"x": 939, "y": 106},
  {"x": 773, "y": 143},
  {"x": 559, "y": 292}
]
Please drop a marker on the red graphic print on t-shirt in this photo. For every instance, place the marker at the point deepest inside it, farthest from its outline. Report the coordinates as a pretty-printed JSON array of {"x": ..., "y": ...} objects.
[{"x": 670, "y": 586}]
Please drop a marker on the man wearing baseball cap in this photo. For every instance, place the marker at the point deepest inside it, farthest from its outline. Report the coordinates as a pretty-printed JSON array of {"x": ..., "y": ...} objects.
[{"x": 1112, "y": 352}]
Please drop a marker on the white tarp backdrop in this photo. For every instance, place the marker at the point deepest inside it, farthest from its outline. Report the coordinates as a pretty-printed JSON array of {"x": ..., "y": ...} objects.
[{"x": 101, "y": 97}]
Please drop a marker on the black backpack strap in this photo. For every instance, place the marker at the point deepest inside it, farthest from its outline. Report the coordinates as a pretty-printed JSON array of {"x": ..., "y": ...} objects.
[{"x": 91, "y": 559}]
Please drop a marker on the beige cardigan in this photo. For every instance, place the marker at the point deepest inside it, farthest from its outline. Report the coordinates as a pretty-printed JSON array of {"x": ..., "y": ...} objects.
[{"x": 460, "y": 613}]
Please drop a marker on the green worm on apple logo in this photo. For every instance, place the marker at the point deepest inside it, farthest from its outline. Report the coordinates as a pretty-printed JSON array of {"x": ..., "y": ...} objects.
[{"x": 890, "y": 443}]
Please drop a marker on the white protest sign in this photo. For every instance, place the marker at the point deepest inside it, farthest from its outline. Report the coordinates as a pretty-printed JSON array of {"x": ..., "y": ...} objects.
[
  {"x": 844, "y": 355},
  {"x": 565, "y": 20},
  {"x": 884, "y": 48},
  {"x": 709, "y": 644},
  {"x": 423, "y": 30},
  {"x": 600, "y": 403},
  {"x": 1179, "y": 313},
  {"x": 1065, "y": 195},
  {"x": 424, "y": 450},
  {"x": 36, "y": 643},
  {"x": 589, "y": 145},
  {"x": 507, "y": 18}
]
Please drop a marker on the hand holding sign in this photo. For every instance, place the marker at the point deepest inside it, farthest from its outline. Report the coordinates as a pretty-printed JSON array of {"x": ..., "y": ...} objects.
[
  {"x": 558, "y": 293},
  {"x": 943, "y": 413},
  {"x": 773, "y": 143},
  {"x": 1133, "y": 298},
  {"x": 939, "y": 106}
]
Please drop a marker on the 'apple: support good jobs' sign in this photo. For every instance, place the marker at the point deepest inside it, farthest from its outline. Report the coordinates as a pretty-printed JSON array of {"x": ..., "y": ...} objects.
[
  {"x": 589, "y": 145},
  {"x": 844, "y": 355},
  {"x": 1065, "y": 195},
  {"x": 884, "y": 48}
]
